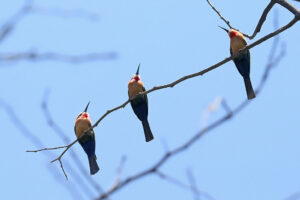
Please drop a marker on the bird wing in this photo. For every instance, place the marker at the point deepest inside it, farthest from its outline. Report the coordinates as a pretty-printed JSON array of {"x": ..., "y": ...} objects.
[
  {"x": 234, "y": 60},
  {"x": 146, "y": 97},
  {"x": 248, "y": 52},
  {"x": 92, "y": 131}
]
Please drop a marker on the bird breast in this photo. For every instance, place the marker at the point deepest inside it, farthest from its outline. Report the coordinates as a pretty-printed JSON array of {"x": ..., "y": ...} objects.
[
  {"x": 134, "y": 88},
  {"x": 237, "y": 43},
  {"x": 81, "y": 126}
]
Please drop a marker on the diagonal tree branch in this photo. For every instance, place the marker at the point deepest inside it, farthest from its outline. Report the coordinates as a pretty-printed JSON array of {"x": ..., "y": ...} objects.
[
  {"x": 195, "y": 138},
  {"x": 179, "y": 183},
  {"x": 172, "y": 84},
  {"x": 10, "y": 24}
]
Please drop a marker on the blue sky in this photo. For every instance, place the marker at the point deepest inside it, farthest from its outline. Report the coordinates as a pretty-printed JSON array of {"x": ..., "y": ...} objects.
[{"x": 253, "y": 156}]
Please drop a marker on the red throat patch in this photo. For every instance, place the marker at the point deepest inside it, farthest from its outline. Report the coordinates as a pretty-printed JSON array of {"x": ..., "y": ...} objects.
[
  {"x": 136, "y": 78},
  {"x": 232, "y": 34},
  {"x": 85, "y": 115}
]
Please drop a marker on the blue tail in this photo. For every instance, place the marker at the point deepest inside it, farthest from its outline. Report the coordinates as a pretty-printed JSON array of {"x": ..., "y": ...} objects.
[
  {"x": 147, "y": 131},
  {"x": 94, "y": 168}
]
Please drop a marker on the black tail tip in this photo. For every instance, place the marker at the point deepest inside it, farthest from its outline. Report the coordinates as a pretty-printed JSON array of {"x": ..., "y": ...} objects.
[
  {"x": 147, "y": 131},
  {"x": 149, "y": 138},
  {"x": 251, "y": 96},
  {"x": 94, "y": 168},
  {"x": 249, "y": 89}
]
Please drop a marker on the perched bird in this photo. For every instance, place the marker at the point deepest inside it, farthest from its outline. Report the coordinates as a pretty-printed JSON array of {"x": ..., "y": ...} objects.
[
  {"x": 87, "y": 141},
  {"x": 242, "y": 62},
  {"x": 140, "y": 104}
]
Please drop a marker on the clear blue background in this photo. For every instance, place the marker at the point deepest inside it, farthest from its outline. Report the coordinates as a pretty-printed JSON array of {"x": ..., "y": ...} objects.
[{"x": 253, "y": 156}]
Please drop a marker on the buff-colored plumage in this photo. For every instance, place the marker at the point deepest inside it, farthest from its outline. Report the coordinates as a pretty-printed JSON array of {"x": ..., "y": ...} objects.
[
  {"x": 135, "y": 87},
  {"x": 238, "y": 42},
  {"x": 81, "y": 125}
]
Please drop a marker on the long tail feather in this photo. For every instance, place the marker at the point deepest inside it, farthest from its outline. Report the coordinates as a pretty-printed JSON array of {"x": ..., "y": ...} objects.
[
  {"x": 94, "y": 168},
  {"x": 147, "y": 131},
  {"x": 249, "y": 89}
]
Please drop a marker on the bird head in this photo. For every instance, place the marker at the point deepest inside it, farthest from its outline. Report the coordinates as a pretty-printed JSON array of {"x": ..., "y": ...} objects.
[
  {"x": 84, "y": 114},
  {"x": 136, "y": 77},
  {"x": 232, "y": 33}
]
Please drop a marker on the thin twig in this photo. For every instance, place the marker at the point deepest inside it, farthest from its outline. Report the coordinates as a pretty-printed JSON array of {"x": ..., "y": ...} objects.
[
  {"x": 119, "y": 171},
  {"x": 263, "y": 17},
  {"x": 219, "y": 13},
  {"x": 62, "y": 167},
  {"x": 7, "y": 28},
  {"x": 226, "y": 106},
  {"x": 46, "y": 149},
  {"x": 193, "y": 184},
  {"x": 179, "y": 183},
  {"x": 67, "y": 147}
]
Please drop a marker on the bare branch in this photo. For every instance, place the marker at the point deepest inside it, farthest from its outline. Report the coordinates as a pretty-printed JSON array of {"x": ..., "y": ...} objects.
[
  {"x": 192, "y": 140},
  {"x": 7, "y": 28},
  {"x": 62, "y": 168},
  {"x": 294, "y": 196},
  {"x": 119, "y": 171},
  {"x": 219, "y": 13},
  {"x": 263, "y": 17},
  {"x": 35, "y": 56},
  {"x": 183, "y": 79},
  {"x": 29, "y": 8},
  {"x": 171, "y": 85},
  {"x": 67, "y": 147},
  {"x": 226, "y": 106},
  {"x": 193, "y": 183},
  {"x": 183, "y": 185},
  {"x": 46, "y": 149}
]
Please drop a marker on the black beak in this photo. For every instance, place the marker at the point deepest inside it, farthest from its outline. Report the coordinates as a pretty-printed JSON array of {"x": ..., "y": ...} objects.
[
  {"x": 86, "y": 107},
  {"x": 138, "y": 69},
  {"x": 224, "y": 29}
]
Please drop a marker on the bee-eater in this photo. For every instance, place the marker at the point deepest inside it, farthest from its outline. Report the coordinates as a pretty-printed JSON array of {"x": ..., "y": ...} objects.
[
  {"x": 242, "y": 62},
  {"x": 87, "y": 141},
  {"x": 140, "y": 104}
]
